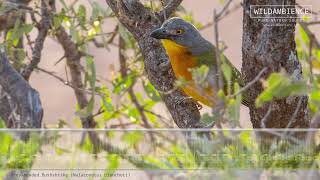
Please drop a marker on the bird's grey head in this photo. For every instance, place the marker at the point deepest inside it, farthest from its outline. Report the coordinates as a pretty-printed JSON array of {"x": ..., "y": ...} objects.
[{"x": 182, "y": 33}]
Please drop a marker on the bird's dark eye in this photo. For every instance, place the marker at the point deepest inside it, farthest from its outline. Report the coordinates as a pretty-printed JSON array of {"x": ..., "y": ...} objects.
[{"x": 180, "y": 31}]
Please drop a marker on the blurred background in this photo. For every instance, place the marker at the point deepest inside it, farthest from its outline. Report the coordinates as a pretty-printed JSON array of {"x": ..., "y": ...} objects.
[
  {"x": 168, "y": 149},
  {"x": 58, "y": 99}
]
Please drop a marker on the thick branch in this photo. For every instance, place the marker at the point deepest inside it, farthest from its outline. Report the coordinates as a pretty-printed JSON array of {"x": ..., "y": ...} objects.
[
  {"x": 24, "y": 101},
  {"x": 140, "y": 24},
  {"x": 73, "y": 57}
]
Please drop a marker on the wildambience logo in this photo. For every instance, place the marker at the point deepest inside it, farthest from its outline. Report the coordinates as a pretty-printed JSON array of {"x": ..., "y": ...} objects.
[{"x": 280, "y": 15}]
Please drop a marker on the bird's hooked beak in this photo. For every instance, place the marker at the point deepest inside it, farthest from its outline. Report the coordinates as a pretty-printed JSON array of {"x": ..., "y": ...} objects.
[{"x": 159, "y": 33}]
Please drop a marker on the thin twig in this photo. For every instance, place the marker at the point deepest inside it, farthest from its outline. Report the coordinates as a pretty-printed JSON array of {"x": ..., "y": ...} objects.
[
  {"x": 162, "y": 118},
  {"x": 65, "y": 82},
  {"x": 225, "y": 7},
  {"x": 249, "y": 84},
  {"x": 315, "y": 123},
  {"x": 265, "y": 118},
  {"x": 310, "y": 60},
  {"x": 169, "y": 9},
  {"x": 313, "y": 23},
  {"x": 310, "y": 34},
  {"x": 59, "y": 60},
  {"x": 133, "y": 97},
  {"x": 293, "y": 117},
  {"x": 218, "y": 60}
]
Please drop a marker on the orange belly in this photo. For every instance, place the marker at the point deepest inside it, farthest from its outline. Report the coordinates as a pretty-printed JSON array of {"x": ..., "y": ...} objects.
[{"x": 182, "y": 61}]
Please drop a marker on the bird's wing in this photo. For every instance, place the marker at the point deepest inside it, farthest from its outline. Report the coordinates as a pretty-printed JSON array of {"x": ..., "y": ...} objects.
[{"x": 209, "y": 59}]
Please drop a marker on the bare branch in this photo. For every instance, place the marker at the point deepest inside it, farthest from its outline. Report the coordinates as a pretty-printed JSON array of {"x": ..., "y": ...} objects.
[
  {"x": 73, "y": 57},
  {"x": 265, "y": 118},
  {"x": 293, "y": 118},
  {"x": 133, "y": 97},
  {"x": 310, "y": 34},
  {"x": 43, "y": 28},
  {"x": 312, "y": 23},
  {"x": 169, "y": 9},
  {"x": 251, "y": 83},
  {"x": 224, "y": 9}
]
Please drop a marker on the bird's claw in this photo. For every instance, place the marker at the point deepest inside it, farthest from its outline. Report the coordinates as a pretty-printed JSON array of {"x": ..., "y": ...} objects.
[
  {"x": 199, "y": 106},
  {"x": 184, "y": 99}
]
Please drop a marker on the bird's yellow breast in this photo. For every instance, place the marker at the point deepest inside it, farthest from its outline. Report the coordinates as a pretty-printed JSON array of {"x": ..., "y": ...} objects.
[
  {"x": 182, "y": 61},
  {"x": 180, "y": 58}
]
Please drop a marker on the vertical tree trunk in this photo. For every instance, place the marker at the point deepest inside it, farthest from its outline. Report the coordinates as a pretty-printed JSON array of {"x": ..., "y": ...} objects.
[{"x": 272, "y": 47}]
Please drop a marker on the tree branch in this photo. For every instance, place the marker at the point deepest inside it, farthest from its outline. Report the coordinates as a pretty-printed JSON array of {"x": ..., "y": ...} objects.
[
  {"x": 73, "y": 57},
  {"x": 24, "y": 101},
  {"x": 169, "y": 9},
  {"x": 140, "y": 23},
  {"x": 44, "y": 25}
]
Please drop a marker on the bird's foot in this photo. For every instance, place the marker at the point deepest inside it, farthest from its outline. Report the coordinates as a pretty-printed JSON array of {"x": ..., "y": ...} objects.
[{"x": 184, "y": 100}]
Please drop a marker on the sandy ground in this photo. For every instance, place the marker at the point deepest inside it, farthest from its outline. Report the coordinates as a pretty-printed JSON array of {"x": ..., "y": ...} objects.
[{"x": 58, "y": 100}]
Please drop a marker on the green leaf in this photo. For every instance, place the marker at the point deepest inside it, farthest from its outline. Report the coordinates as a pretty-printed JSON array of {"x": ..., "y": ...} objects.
[
  {"x": 82, "y": 14},
  {"x": 200, "y": 75},
  {"x": 246, "y": 138},
  {"x": 27, "y": 28},
  {"x": 127, "y": 37},
  {"x": 113, "y": 165},
  {"x": 133, "y": 114},
  {"x": 208, "y": 119},
  {"x": 62, "y": 123},
  {"x": 14, "y": 35},
  {"x": 2, "y": 124},
  {"x": 90, "y": 106},
  {"x": 6, "y": 141},
  {"x": 57, "y": 22},
  {"x": 133, "y": 138},
  {"x": 315, "y": 96},
  {"x": 233, "y": 107},
  {"x": 151, "y": 92},
  {"x": 314, "y": 102},
  {"x": 121, "y": 84},
  {"x": 106, "y": 100},
  {"x": 304, "y": 35},
  {"x": 98, "y": 12},
  {"x": 227, "y": 72},
  {"x": 280, "y": 86},
  {"x": 156, "y": 161},
  {"x": 61, "y": 151},
  {"x": 87, "y": 145}
]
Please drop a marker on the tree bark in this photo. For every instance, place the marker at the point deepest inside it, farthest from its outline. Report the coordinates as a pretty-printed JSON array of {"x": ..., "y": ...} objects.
[
  {"x": 20, "y": 104},
  {"x": 23, "y": 108},
  {"x": 272, "y": 47},
  {"x": 140, "y": 21}
]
